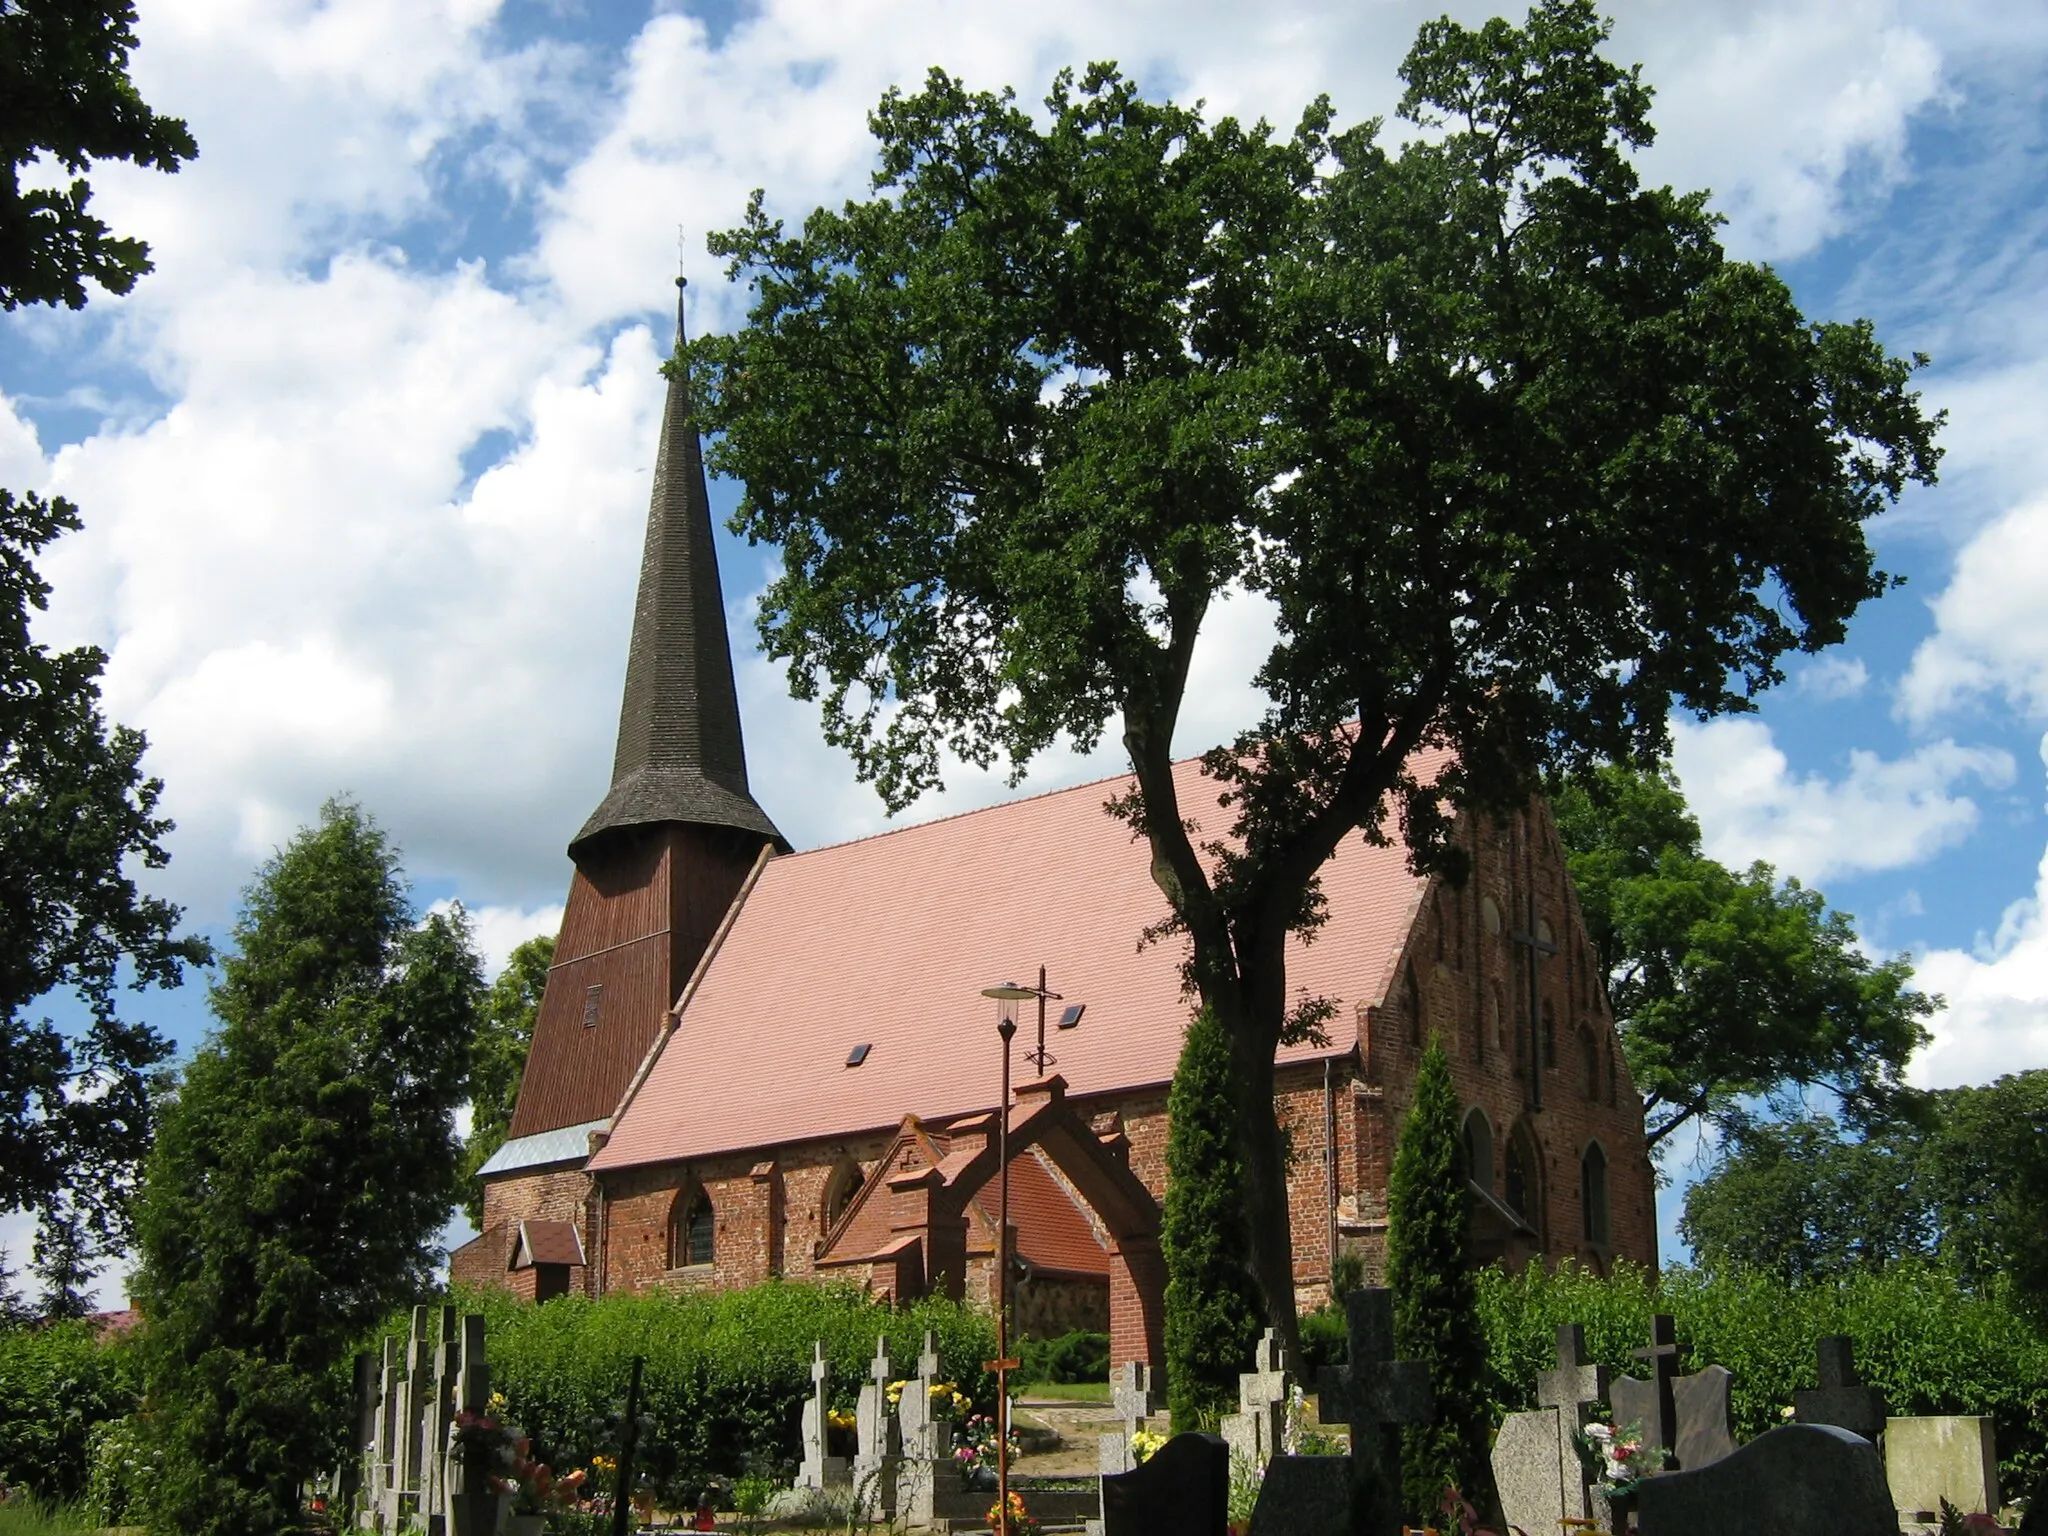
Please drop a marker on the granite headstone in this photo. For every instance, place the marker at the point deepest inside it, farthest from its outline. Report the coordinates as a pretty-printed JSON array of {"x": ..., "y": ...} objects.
[
  {"x": 1801, "y": 1477},
  {"x": 1841, "y": 1399},
  {"x": 1183, "y": 1490},
  {"x": 1706, "y": 1424}
]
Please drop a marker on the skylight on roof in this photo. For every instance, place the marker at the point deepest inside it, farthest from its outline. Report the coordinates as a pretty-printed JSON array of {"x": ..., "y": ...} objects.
[{"x": 858, "y": 1055}]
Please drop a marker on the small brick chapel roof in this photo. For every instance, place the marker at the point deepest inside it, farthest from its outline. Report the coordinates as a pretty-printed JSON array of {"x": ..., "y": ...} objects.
[{"x": 887, "y": 942}]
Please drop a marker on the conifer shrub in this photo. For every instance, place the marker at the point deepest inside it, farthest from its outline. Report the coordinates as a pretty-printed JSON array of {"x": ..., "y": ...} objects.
[
  {"x": 727, "y": 1372},
  {"x": 1213, "y": 1312},
  {"x": 1436, "y": 1316},
  {"x": 1930, "y": 1343}
]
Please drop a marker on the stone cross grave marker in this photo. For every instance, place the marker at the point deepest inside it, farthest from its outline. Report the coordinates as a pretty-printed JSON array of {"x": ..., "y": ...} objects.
[
  {"x": 1134, "y": 1398},
  {"x": 383, "y": 1460},
  {"x": 1649, "y": 1404},
  {"x": 355, "y": 1474},
  {"x": 419, "y": 1373},
  {"x": 927, "y": 1440},
  {"x": 1375, "y": 1394},
  {"x": 877, "y": 1450},
  {"x": 1258, "y": 1430},
  {"x": 440, "y": 1420},
  {"x": 1841, "y": 1399},
  {"x": 1706, "y": 1423},
  {"x": 472, "y": 1503},
  {"x": 1536, "y": 1465},
  {"x": 820, "y": 1468}
]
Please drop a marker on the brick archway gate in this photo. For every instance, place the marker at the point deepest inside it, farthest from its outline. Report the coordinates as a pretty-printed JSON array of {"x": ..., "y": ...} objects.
[{"x": 909, "y": 1226}]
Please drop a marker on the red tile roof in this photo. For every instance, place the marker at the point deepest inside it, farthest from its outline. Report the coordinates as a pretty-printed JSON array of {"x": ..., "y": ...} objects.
[
  {"x": 1052, "y": 1234},
  {"x": 889, "y": 940}
]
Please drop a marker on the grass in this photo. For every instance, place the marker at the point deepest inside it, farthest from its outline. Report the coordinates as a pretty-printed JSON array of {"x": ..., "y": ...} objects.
[
  {"x": 24, "y": 1517},
  {"x": 1068, "y": 1391}
]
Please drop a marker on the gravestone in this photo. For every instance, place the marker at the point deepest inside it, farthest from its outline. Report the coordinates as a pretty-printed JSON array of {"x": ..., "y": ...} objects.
[
  {"x": 438, "y": 1421},
  {"x": 926, "y": 1439},
  {"x": 1706, "y": 1423},
  {"x": 381, "y": 1509},
  {"x": 1841, "y": 1399},
  {"x": 1376, "y": 1394},
  {"x": 473, "y": 1500},
  {"x": 1135, "y": 1399},
  {"x": 877, "y": 1449},
  {"x": 1184, "y": 1490},
  {"x": 1798, "y": 1478},
  {"x": 419, "y": 1386},
  {"x": 1304, "y": 1494},
  {"x": 1648, "y": 1405},
  {"x": 821, "y": 1469},
  {"x": 1258, "y": 1430},
  {"x": 355, "y": 1472},
  {"x": 1536, "y": 1464},
  {"x": 1942, "y": 1456}
]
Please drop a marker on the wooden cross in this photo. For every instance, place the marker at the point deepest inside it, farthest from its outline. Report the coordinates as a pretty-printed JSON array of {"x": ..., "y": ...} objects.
[
  {"x": 1375, "y": 1394},
  {"x": 1538, "y": 949}
]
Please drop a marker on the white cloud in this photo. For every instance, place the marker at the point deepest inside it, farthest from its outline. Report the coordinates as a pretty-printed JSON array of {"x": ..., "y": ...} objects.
[
  {"x": 1833, "y": 677},
  {"x": 1880, "y": 815},
  {"x": 1991, "y": 625},
  {"x": 1996, "y": 1020},
  {"x": 499, "y": 931}
]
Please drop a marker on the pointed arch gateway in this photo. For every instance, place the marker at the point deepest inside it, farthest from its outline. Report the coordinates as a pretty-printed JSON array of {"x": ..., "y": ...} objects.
[{"x": 910, "y": 1226}]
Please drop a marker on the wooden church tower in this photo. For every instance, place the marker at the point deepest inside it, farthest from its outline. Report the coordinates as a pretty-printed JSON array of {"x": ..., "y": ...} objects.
[{"x": 659, "y": 861}]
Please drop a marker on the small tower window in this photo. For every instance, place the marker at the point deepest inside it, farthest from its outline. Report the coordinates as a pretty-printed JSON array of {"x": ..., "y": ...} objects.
[
  {"x": 592, "y": 997},
  {"x": 1479, "y": 1149}
]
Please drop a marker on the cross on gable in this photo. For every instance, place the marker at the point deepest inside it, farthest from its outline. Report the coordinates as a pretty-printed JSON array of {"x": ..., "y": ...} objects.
[
  {"x": 1576, "y": 1383},
  {"x": 1375, "y": 1389}
]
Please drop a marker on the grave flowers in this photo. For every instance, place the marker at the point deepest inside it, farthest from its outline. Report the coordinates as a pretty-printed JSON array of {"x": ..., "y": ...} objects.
[
  {"x": 842, "y": 1433},
  {"x": 1143, "y": 1443},
  {"x": 1021, "y": 1521},
  {"x": 975, "y": 1455},
  {"x": 1616, "y": 1453}
]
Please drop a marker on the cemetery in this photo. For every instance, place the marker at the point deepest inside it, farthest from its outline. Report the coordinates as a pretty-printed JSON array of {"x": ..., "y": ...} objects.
[{"x": 1323, "y": 1197}]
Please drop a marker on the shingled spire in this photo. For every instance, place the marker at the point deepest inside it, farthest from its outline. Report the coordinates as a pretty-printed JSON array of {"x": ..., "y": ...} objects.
[{"x": 680, "y": 756}]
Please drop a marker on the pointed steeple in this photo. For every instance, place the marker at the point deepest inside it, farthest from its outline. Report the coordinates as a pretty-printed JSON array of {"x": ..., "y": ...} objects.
[{"x": 680, "y": 756}]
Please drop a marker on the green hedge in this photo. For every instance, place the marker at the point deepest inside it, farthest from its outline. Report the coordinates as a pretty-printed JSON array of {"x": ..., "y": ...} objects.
[
  {"x": 726, "y": 1373},
  {"x": 57, "y": 1382},
  {"x": 1929, "y": 1344},
  {"x": 1072, "y": 1357}
]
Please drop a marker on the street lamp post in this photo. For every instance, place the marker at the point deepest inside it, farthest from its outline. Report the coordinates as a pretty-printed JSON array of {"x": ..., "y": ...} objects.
[{"x": 1007, "y": 997}]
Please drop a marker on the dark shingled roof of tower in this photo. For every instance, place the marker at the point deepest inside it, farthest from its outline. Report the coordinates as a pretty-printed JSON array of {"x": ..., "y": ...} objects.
[{"x": 680, "y": 756}]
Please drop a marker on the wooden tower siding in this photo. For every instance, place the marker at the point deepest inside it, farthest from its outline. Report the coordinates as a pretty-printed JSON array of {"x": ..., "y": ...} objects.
[
  {"x": 660, "y": 860},
  {"x": 642, "y": 907}
]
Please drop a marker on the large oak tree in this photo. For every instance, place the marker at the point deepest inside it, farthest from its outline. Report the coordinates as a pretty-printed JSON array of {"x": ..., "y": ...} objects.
[{"x": 1517, "y": 454}]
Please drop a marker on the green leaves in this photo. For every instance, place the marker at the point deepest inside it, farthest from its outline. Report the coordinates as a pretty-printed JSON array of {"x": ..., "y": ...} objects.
[
  {"x": 303, "y": 1171},
  {"x": 65, "y": 93},
  {"x": 1519, "y": 457},
  {"x": 498, "y": 1059},
  {"x": 77, "y": 818},
  {"x": 1212, "y": 1302},
  {"x": 1726, "y": 985},
  {"x": 1435, "y": 1316}
]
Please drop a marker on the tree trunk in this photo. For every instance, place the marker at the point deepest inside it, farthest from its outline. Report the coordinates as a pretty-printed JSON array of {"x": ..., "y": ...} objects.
[{"x": 1265, "y": 1170}]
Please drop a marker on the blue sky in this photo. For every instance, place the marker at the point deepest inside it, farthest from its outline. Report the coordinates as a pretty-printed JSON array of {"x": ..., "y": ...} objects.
[{"x": 364, "y": 462}]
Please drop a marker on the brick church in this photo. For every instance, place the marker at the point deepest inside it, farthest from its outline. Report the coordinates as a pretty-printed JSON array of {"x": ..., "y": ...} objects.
[{"x": 754, "y": 1061}]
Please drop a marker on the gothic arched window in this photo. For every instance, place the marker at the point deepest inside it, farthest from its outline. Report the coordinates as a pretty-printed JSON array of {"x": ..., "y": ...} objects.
[
  {"x": 1593, "y": 1194},
  {"x": 691, "y": 1229},
  {"x": 846, "y": 1183},
  {"x": 1479, "y": 1149},
  {"x": 1520, "y": 1175}
]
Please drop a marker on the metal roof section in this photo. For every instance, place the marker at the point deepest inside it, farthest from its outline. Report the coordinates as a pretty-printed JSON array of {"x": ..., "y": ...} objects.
[
  {"x": 680, "y": 754},
  {"x": 569, "y": 1144}
]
